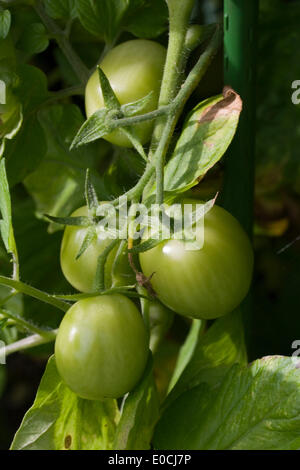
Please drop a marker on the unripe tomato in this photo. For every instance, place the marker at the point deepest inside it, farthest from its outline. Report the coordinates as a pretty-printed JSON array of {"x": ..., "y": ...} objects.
[
  {"x": 81, "y": 272},
  {"x": 134, "y": 69},
  {"x": 205, "y": 283},
  {"x": 101, "y": 348}
]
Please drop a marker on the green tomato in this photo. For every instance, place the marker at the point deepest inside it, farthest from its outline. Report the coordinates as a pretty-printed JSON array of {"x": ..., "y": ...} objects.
[
  {"x": 205, "y": 283},
  {"x": 81, "y": 272},
  {"x": 101, "y": 348},
  {"x": 134, "y": 69}
]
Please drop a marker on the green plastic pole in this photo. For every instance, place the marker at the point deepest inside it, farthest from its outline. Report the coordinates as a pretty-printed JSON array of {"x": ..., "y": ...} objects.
[{"x": 240, "y": 34}]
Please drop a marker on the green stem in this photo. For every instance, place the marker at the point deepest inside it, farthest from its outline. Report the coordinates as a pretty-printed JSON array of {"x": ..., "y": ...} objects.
[
  {"x": 178, "y": 103},
  {"x": 78, "y": 66},
  {"x": 198, "y": 70},
  {"x": 159, "y": 159},
  {"x": 130, "y": 121},
  {"x": 33, "y": 292},
  {"x": 137, "y": 190},
  {"x": 26, "y": 343},
  {"x": 23, "y": 323},
  {"x": 100, "y": 275},
  {"x": 179, "y": 15}
]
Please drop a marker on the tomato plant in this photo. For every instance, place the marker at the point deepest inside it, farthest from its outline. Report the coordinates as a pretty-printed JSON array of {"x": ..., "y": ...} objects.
[
  {"x": 91, "y": 344},
  {"x": 127, "y": 244},
  {"x": 134, "y": 69}
]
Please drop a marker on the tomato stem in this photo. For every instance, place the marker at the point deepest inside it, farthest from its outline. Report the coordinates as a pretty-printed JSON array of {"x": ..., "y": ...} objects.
[
  {"x": 99, "y": 284},
  {"x": 33, "y": 292},
  {"x": 24, "y": 324}
]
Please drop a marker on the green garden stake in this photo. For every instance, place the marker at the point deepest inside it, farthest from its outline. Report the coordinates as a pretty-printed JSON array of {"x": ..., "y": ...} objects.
[{"x": 240, "y": 34}]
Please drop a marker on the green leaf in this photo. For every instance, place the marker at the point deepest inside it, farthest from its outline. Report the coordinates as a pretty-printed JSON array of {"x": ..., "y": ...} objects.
[
  {"x": 103, "y": 18},
  {"x": 72, "y": 221},
  {"x": 6, "y": 227},
  {"x": 145, "y": 246},
  {"x": 205, "y": 137},
  {"x": 23, "y": 153},
  {"x": 10, "y": 126},
  {"x": 214, "y": 354},
  {"x": 136, "y": 107},
  {"x": 131, "y": 135},
  {"x": 5, "y": 21},
  {"x": 255, "y": 408},
  {"x": 139, "y": 415},
  {"x": 59, "y": 420},
  {"x": 98, "y": 125},
  {"x": 109, "y": 97},
  {"x": 90, "y": 193},
  {"x": 108, "y": 18},
  {"x": 34, "y": 39},
  {"x": 149, "y": 21},
  {"x": 91, "y": 235},
  {"x": 186, "y": 351},
  {"x": 61, "y": 9},
  {"x": 32, "y": 90},
  {"x": 58, "y": 184}
]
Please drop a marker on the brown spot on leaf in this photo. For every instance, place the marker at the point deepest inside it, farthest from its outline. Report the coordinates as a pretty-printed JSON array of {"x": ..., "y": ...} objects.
[
  {"x": 68, "y": 441},
  {"x": 230, "y": 104}
]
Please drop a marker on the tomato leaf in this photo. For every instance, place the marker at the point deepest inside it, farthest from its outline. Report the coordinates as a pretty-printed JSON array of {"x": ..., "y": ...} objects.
[
  {"x": 186, "y": 351},
  {"x": 60, "y": 9},
  {"x": 58, "y": 184},
  {"x": 5, "y": 22},
  {"x": 90, "y": 193},
  {"x": 136, "y": 107},
  {"x": 91, "y": 235},
  {"x": 103, "y": 18},
  {"x": 254, "y": 408},
  {"x": 131, "y": 135},
  {"x": 34, "y": 39},
  {"x": 139, "y": 415},
  {"x": 59, "y": 420},
  {"x": 205, "y": 137},
  {"x": 109, "y": 97},
  {"x": 6, "y": 226},
  {"x": 22, "y": 152},
  {"x": 73, "y": 221},
  {"x": 213, "y": 354},
  {"x": 149, "y": 21},
  {"x": 10, "y": 126},
  {"x": 98, "y": 125}
]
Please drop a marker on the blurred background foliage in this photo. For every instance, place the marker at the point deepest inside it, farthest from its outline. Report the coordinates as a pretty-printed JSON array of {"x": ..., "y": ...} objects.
[{"x": 56, "y": 186}]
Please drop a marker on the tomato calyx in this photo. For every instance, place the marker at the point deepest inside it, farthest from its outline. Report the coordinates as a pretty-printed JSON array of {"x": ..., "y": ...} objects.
[{"x": 141, "y": 279}]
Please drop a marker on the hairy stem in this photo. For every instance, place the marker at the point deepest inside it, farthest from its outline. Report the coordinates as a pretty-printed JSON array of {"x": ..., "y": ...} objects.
[
  {"x": 23, "y": 323},
  {"x": 178, "y": 103},
  {"x": 100, "y": 275},
  {"x": 179, "y": 15},
  {"x": 33, "y": 292}
]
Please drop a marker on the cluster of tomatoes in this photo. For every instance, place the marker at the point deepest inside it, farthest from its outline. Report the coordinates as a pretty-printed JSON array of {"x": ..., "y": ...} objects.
[{"x": 102, "y": 344}]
